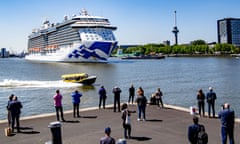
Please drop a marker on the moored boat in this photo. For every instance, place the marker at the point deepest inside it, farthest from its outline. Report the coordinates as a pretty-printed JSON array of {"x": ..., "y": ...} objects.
[
  {"x": 82, "y": 78},
  {"x": 145, "y": 57}
]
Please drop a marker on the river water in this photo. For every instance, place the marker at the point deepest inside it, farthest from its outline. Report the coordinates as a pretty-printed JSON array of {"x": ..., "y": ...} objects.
[{"x": 178, "y": 77}]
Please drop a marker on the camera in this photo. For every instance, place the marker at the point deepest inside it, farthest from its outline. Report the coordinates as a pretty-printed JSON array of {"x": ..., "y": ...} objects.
[{"x": 222, "y": 106}]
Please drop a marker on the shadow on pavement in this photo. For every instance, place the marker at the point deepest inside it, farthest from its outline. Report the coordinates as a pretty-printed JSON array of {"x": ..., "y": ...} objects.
[
  {"x": 90, "y": 117},
  {"x": 71, "y": 121},
  {"x": 25, "y": 128},
  {"x": 29, "y": 132},
  {"x": 141, "y": 138},
  {"x": 154, "y": 120}
]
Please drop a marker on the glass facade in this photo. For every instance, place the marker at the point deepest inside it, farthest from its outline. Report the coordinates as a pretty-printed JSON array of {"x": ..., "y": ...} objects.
[{"x": 229, "y": 31}]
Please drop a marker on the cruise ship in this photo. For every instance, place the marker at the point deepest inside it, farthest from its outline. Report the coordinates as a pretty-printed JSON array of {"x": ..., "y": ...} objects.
[{"x": 81, "y": 38}]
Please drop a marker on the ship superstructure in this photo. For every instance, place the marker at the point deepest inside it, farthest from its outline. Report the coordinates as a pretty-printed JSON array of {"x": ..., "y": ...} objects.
[{"x": 82, "y": 38}]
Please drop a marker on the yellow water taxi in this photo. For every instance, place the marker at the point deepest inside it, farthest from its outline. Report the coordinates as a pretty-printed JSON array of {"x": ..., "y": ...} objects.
[{"x": 79, "y": 78}]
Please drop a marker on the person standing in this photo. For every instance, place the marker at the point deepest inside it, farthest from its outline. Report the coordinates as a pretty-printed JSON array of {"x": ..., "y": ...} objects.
[
  {"x": 15, "y": 109},
  {"x": 116, "y": 91},
  {"x": 201, "y": 105},
  {"x": 158, "y": 97},
  {"x": 58, "y": 105},
  {"x": 107, "y": 139},
  {"x": 211, "y": 97},
  {"x": 76, "y": 101},
  {"x": 10, "y": 98},
  {"x": 126, "y": 121},
  {"x": 140, "y": 91},
  {"x": 227, "y": 117},
  {"x": 102, "y": 96},
  {"x": 193, "y": 132},
  {"x": 141, "y": 103},
  {"x": 131, "y": 94}
]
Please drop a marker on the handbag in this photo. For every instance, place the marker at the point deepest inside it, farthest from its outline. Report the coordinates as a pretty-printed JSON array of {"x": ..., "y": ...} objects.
[
  {"x": 8, "y": 131},
  {"x": 128, "y": 120}
]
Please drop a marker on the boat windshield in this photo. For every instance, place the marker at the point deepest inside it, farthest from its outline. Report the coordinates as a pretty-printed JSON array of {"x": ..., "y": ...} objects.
[{"x": 76, "y": 77}]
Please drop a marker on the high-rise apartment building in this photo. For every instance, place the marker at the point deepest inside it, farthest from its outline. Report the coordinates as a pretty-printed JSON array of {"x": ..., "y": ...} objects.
[{"x": 229, "y": 31}]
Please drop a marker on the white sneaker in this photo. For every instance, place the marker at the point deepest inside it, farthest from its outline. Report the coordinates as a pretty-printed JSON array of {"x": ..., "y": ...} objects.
[{"x": 138, "y": 119}]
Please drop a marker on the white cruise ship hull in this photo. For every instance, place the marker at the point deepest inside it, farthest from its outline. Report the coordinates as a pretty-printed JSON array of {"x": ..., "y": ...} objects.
[
  {"x": 89, "y": 51},
  {"x": 81, "y": 38}
]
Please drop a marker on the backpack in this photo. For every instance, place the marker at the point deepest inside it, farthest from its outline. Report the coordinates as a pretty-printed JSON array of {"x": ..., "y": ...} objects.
[{"x": 202, "y": 137}]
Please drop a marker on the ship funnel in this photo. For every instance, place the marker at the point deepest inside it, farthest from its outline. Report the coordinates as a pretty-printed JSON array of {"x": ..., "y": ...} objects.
[
  {"x": 65, "y": 17},
  {"x": 84, "y": 12}
]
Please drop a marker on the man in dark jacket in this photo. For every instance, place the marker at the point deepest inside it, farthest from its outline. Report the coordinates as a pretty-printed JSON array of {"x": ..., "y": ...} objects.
[
  {"x": 116, "y": 91},
  {"x": 227, "y": 119},
  {"x": 102, "y": 97},
  {"x": 76, "y": 101},
  {"x": 131, "y": 94},
  {"x": 15, "y": 109},
  {"x": 211, "y": 97}
]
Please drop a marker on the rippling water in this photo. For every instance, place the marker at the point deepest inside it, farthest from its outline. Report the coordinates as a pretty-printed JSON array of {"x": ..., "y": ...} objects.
[{"x": 179, "y": 78}]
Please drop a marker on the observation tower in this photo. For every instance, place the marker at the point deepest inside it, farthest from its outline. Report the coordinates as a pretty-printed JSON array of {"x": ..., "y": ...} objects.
[{"x": 175, "y": 29}]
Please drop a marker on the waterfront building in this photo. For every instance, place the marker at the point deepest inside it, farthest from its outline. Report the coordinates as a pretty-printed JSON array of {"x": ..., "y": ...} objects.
[
  {"x": 229, "y": 31},
  {"x": 166, "y": 43},
  {"x": 4, "y": 53}
]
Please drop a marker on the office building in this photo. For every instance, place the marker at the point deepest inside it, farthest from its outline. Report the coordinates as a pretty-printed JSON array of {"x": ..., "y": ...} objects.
[
  {"x": 4, "y": 53},
  {"x": 229, "y": 31}
]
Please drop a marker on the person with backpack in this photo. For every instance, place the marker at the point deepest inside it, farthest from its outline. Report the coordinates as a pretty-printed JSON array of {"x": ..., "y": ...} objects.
[
  {"x": 211, "y": 97},
  {"x": 196, "y": 133}
]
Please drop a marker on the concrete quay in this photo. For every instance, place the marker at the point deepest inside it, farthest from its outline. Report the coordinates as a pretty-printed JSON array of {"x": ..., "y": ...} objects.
[{"x": 162, "y": 126}]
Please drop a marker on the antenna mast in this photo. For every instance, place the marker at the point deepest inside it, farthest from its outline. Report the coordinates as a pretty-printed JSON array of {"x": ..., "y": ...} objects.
[{"x": 175, "y": 14}]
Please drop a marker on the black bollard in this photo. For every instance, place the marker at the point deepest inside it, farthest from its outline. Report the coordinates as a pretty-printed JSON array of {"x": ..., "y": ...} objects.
[{"x": 56, "y": 132}]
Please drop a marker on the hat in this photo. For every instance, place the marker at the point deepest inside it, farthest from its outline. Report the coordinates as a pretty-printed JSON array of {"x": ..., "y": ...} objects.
[
  {"x": 210, "y": 88},
  {"x": 107, "y": 130}
]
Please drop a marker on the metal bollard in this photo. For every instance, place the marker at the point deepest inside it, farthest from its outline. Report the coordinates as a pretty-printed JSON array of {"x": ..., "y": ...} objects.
[{"x": 56, "y": 132}]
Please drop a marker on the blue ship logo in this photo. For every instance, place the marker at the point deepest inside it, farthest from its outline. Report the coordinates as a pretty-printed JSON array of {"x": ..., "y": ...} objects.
[{"x": 85, "y": 52}]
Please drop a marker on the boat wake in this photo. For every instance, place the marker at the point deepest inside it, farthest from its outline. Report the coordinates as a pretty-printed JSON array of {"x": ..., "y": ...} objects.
[{"x": 8, "y": 83}]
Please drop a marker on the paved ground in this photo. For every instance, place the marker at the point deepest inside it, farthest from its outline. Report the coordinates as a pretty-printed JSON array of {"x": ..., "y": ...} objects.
[{"x": 163, "y": 126}]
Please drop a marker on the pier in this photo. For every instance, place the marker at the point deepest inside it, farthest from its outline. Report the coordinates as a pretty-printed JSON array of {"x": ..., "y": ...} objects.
[{"x": 165, "y": 126}]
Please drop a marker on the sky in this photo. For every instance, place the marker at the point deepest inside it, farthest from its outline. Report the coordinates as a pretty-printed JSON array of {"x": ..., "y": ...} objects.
[{"x": 137, "y": 21}]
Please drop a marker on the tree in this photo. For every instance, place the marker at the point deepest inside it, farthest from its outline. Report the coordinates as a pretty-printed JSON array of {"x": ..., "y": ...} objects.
[
  {"x": 196, "y": 47},
  {"x": 198, "y": 42}
]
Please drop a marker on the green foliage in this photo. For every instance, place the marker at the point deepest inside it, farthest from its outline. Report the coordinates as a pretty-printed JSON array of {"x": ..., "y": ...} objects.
[
  {"x": 196, "y": 47},
  {"x": 226, "y": 48},
  {"x": 198, "y": 42}
]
